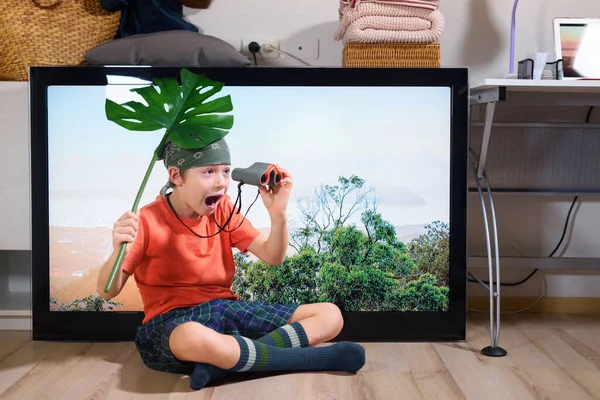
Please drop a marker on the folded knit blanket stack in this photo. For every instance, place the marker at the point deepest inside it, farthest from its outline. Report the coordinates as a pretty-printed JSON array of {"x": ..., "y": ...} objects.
[{"x": 413, "y": 25}]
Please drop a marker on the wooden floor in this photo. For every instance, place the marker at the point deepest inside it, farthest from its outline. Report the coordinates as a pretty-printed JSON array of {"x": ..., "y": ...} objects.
[{"x": 549, "y": 357}]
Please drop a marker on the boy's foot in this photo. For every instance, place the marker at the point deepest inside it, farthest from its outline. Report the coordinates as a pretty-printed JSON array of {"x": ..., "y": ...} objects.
[
  {"x": 204, "y": 374},
  {"x": 347, "y": 357}
]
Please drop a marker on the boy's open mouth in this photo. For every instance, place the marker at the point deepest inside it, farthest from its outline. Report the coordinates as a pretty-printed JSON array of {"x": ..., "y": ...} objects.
[{"x": 212, "y": 200}]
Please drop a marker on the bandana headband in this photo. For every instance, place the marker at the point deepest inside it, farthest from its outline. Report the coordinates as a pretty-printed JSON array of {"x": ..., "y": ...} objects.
[{"x": 213, "y": 154}]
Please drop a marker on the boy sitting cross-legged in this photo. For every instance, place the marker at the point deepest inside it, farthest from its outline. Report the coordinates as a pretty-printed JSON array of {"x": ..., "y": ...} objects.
[{"x": 180, "y": 254}]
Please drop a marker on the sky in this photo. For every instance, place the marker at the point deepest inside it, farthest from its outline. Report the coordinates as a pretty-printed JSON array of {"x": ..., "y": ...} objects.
[{"x": 396, "y": 138}]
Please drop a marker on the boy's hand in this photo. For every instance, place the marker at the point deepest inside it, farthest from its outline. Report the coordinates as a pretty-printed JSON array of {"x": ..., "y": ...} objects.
[
  {"x": 276, "y": 198},
  {"x": 125, "y": 230}
]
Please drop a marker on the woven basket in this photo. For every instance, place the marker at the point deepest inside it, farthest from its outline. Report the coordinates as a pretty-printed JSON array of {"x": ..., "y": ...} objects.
[
  {"x": 391, "y": 55},
  {"x": 50, "y": 32}
]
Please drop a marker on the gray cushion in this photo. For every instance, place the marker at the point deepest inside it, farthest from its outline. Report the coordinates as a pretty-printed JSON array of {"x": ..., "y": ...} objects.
[{"x": 168, "y": 48}]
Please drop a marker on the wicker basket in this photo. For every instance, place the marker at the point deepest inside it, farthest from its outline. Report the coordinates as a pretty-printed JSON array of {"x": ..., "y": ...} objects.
[
  {"x": 391, "y": 55},
  {"x": 50, "y": 32}
]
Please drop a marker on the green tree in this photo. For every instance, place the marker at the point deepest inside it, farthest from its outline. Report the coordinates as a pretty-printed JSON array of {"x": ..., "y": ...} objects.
[
  {"x": 383, "y": 249},
  {"x": 357, "y": 288},
  {"x": 331, "y": 207},
  {"x": 390, "y": 259},
  {"x": 294, "y": 281},
  {"x": 379, "y": 230},
  {"x": 89, "y": 303},
  {"x": 346, "y": 245},
  {"x": 358, "y": 269},
  {"x": 241, "y": 281},
  {"x": 430, "y": 251},
  {"x": 418, "y": 295}
]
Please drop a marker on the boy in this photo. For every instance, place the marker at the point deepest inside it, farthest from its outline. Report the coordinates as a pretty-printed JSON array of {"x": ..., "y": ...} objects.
[{"x": 179, "y": 251}]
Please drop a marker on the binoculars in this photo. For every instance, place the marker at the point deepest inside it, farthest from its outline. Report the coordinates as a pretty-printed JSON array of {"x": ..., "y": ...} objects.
[{"x": 258, "y": 174}]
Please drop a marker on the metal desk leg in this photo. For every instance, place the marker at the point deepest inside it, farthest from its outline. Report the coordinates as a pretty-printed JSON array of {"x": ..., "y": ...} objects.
[
  {"x": 485, "y": 140},
  {"x": 493, "y": 350}
]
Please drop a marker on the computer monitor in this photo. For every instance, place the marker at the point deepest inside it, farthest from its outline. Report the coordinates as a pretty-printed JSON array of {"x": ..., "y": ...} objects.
[{"x": 576, "y": 42}]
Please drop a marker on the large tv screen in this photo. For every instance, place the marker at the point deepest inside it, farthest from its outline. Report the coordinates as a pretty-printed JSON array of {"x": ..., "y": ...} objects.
[{"x": 377, "y": 214}]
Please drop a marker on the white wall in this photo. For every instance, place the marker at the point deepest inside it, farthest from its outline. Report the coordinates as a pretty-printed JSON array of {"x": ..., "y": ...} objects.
[
  {"x": 476, "y": 35},
  {"x": 14, "y": 185}
]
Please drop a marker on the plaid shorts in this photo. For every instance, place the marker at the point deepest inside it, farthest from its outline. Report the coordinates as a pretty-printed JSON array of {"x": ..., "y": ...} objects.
[{"x": 231, "y": 317}]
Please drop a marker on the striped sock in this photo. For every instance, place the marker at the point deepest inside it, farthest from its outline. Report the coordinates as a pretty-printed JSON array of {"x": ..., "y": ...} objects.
[
  {"x": 291, "y": 335},
  {"x": 257, "y": 356}
]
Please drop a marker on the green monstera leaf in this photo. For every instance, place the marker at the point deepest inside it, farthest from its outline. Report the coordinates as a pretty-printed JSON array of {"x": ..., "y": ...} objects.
[
  {"x": 186, "y": 112},
  {"x": 191, "y": 120}
]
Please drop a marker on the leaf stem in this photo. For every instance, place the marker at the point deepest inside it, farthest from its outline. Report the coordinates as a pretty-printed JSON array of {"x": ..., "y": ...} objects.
[{"x": 138, "y": 197}]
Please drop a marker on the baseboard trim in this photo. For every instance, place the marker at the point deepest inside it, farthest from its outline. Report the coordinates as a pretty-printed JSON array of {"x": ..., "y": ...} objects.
[
  {"x": 15, "y": 323},
  {"x": 557, "y": 305}
]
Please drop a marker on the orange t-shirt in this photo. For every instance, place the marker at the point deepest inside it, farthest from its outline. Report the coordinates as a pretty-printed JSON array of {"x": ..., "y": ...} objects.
[{"x": 174, "y": 268}]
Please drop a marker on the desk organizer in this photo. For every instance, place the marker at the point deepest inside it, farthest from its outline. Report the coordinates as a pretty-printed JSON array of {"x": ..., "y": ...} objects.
[{"x": 391, "y": 55}]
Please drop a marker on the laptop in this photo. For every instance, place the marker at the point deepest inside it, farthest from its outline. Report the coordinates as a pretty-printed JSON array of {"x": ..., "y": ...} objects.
[{"x": 577, "y": 43}]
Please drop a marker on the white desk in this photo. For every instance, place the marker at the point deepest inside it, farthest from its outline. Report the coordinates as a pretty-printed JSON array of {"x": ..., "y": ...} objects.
[
  {"x": 523, "y": 93},
  {"x": 526, "y": 85}
]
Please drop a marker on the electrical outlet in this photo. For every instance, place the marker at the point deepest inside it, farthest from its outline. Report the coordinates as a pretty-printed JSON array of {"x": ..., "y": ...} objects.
[
  {"x": 303, "y": 48},
  {"x": 261, "y": 41}
]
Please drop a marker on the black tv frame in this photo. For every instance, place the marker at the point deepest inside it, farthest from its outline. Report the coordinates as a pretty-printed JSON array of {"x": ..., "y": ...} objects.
[{"x": 358, "y": 326}]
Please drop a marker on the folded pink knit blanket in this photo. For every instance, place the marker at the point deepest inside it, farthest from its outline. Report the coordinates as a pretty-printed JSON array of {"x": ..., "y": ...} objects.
[
  {"x": 385, "y": 23},
  {"x": 426, "y": 4}
]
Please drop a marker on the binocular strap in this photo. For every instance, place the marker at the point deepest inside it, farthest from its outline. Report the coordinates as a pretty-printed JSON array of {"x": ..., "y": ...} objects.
[{"x": 221, "y": 228}]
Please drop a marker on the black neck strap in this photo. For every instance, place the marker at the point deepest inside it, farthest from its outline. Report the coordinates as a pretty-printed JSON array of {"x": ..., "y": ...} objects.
[{"x": 221, "y": 228}]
